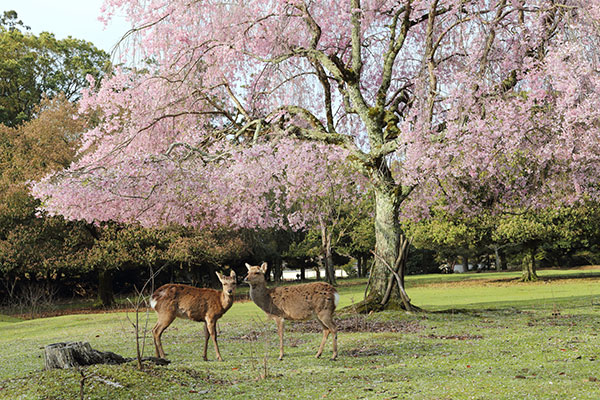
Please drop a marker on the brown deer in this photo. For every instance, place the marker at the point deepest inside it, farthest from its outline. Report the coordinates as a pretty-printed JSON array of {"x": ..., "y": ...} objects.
[
  {"x": 299, "y": 302},
  {"x": 198, "y": 304}
]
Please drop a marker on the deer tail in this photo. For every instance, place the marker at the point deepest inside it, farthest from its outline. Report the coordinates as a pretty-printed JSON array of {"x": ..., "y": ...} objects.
[{"x": 154, "y": 298}]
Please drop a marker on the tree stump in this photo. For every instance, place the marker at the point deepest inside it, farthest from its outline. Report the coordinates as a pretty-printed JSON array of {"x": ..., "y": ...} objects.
[{"x": 77, "y": 354}]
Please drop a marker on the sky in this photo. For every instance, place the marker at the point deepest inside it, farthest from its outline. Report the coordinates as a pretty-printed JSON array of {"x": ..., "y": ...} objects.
[{"x": 76, "y": 18}]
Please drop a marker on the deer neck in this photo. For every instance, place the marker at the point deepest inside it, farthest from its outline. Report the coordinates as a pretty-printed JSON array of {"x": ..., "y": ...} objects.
[
  {"x": 260, "y": 295},
  {"x": 226, "y": 300}
]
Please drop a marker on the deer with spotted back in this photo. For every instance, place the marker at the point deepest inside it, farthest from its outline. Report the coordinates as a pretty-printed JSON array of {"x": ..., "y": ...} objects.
[
  {"x": 298, "y": 302},
  {"x": 172, "y": 301}
]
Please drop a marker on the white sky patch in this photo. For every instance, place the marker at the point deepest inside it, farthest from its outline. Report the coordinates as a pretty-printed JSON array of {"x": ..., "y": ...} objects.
[{"x": 75, "y": 18}]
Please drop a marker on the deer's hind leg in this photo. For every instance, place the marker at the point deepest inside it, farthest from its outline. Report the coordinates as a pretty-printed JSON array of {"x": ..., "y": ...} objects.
[
  {"x": 325, "y": 336},
  {"x": 326, "y": 320},
  {"x": 164, "y": 320}
]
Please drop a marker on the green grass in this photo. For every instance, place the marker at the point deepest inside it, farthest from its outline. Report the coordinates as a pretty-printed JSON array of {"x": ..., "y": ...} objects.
[
  {"x": 7, "y": 318},
  {"x": 484, "y": 336}
]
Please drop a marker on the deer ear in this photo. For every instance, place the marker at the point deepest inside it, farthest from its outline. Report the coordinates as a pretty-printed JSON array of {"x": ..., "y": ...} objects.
[
  {"x": 232, "y": 274},
  {"x": 219, "y": 276},
  {"x": 248, "y": 266},
  {"x": 263, "y": 268}
]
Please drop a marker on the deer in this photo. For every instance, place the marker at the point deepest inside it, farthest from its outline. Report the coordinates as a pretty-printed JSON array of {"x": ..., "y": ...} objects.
[
  {"x": 299, "y": 302},
  {"x": 197, "y": 304}
]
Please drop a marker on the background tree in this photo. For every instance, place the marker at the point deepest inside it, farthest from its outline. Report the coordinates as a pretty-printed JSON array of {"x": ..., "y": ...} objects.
[
  {"x": 40, "y": 77},
  {"x": 577, "y": 238},
  {"x": 539, "y": 234},
  {"x": 196, "y": 254},
  {"x": 474, "y": 101},
  {"x": 529, "y": 231},
  {"x": 34, "y": 66},
  {"x": 31, "y": 245},
  {"x": 450, "y": 236},
  {"x": 361, "y": 236},
  {"x": 124, "y": 248},
  {"x": 562, "y": 236},
  {"x": 304, "y": 252},
  {"x": 326, "y": 203},
  {"x": 10, "y": 20}
]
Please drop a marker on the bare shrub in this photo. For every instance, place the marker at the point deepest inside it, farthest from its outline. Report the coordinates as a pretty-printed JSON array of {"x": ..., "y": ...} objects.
[{"x": 33, "y": 298}]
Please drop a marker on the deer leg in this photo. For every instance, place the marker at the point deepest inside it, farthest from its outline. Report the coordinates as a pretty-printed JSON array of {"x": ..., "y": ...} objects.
[
  {"x": 164, "y": 320},
  {"x": 325, "y": 317},
  {"x": 279, "y": 322},
  {"x": 206, "y": 335},
  {"x": 157, "y": 344},
  {"x": 325, "y": 336},
  {"x": 212, "y": 329}
]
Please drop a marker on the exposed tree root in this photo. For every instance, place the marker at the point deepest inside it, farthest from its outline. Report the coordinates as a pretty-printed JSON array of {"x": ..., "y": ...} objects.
[{"x": 373, "y": 304}]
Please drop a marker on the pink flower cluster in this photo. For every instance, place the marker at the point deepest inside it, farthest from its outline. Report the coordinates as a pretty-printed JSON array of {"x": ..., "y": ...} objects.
[{"x": 511, "y": 119}]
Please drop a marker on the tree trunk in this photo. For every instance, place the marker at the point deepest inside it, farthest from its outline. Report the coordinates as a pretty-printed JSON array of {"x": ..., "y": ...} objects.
[
  {"x": 302, "y": 272},
  {"x": 529, "y": 267},
  {"x": 503, "y": 263},
  {"x": 277, "y": 270},
  {"x": 500, "y": 259},
  {"x": 359, "y": 261},
  {"x": 396, "y": 279},
  {"x": 105, "y": 288},
  {"x": 318, "y": 272},
  {"x": 389, "y": 253},
  {"x": 497, "y": 260},
  {"x": 79, "y": 354},
  {"x": 75, "y": 354},
  {"x": 387, "y": 235},
  {"x": 327, "y": 254},
  {"x": 364, "y": 266},
  {"x": 10, "y": 283},
  {"x": 466, "y": 263}
]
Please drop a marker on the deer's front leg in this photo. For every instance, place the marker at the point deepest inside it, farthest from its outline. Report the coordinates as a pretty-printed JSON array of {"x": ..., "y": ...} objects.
[
  {"x": 279, "y": 322},
  {"x": 212, "y": 329}
]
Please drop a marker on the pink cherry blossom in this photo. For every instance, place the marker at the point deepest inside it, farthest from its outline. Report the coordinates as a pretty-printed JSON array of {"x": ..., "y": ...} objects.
[{"x": 246, "y": 113}]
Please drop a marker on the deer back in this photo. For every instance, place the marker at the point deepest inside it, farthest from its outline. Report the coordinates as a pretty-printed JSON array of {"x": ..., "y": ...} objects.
[
  {"x": 304, "y": 301},
  {"x": 188, "y": 302}
]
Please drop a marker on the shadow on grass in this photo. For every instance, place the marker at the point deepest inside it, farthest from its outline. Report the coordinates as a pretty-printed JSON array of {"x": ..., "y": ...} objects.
[
  {"x": 558, "y": 277},
  {"x": 554, "y": 305},
  {"x": 474, "y": 278},
  {"x": 552, "y": 278}
]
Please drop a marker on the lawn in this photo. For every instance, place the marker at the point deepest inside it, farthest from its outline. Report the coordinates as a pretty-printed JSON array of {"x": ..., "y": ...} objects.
[{"x": 483, "y": 336}]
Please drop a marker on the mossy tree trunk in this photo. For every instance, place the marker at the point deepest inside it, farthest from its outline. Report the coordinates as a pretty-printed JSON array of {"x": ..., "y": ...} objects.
[
  {"x": 386, "y": 290},
  {"x": 387, "y": 236},
  {"x": 76, "y": 354},
  {"x": 396, "y": 278},
  {"x": 529, "y": 265}
]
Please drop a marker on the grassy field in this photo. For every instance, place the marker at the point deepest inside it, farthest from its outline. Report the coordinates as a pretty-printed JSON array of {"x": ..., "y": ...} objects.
[{"x": 483, "y": 336}]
